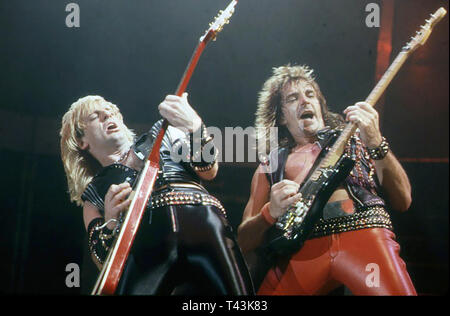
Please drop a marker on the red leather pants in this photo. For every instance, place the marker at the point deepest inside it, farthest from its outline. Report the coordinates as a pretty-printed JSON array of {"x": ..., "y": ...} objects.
[{"x": 367, "y": 261}]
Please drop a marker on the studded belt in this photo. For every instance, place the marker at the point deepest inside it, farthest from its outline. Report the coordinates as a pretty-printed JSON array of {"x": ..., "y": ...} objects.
[
  {"x": 373, "y": 217},
  {"x": 185, "y": 198}
]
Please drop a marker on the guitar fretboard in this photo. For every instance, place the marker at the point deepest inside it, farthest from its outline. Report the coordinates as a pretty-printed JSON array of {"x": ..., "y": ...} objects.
[{"x": 337, "y": 150}]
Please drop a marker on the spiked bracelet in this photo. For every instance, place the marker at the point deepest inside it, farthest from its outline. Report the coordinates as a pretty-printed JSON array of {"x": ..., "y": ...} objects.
[
  {"x": 379, "y": 152},
  {"x": 95, "y": 244},
  {"x": 100, "y": 237}
]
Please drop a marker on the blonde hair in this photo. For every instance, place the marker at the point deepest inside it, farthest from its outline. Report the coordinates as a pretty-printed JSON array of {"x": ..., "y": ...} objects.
[
  {"x": 268, "y": 113},
  {"x": 80, "y": 166}
]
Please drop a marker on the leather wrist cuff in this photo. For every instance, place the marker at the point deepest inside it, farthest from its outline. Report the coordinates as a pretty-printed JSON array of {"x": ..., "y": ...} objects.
[
  {"x": 197, "y": 148},
  {"x": 379, "y": 152}
]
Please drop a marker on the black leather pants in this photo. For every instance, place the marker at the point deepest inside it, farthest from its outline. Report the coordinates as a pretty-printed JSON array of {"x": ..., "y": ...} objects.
[{"x": 185, "y": 250}]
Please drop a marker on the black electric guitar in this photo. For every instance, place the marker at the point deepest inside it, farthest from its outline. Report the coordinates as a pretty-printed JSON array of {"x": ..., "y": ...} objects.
[{"x": 332, "y": 166}]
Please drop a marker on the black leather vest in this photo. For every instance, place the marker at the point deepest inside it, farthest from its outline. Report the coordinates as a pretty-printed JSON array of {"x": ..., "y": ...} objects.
[
  {"x": 362, "y": 184},
  {"x": 169, "y": 172}
]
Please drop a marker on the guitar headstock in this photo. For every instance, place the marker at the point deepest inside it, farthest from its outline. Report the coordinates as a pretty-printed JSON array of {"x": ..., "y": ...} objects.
[
  {"x": 425, "y": 30},
  {"x": 219, "y": 22}
]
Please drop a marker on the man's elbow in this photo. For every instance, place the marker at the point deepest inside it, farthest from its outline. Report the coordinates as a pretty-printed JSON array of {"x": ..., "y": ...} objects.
[
  {"x": 209, "y": 175},
  {"x": 239, "y": 240},
  {"x": 403, "y": 204},
  {"x": 407, "y": 203},
  {"x": 245, "y": 246}
]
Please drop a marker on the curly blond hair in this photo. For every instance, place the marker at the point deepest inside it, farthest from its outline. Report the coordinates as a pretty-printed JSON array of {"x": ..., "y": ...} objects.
[
  {"x": 268, "y": 113},
  {"x": 79, "y": 165}
]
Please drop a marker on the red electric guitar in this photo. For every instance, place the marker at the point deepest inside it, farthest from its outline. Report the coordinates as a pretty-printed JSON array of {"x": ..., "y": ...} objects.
[{"x": 117, "y": 256}]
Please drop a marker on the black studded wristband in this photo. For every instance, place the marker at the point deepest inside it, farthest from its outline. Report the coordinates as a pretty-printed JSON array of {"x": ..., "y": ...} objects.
[{"x": 379, "y": 152}]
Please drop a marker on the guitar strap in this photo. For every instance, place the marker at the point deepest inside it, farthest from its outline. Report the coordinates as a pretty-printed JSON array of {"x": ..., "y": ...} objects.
[{"x": 281, "y": 154}]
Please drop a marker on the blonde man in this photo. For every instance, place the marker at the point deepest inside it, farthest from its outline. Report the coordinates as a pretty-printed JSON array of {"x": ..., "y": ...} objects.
[{"x": 184, "y": 239}]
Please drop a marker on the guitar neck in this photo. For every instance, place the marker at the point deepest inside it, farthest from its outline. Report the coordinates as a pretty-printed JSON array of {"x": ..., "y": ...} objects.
[
  {"x": 390, "y": 73},
  {"x": 209, "y": 35},
  {"x": 337, "y": 150},
  {"x": 154, "y": 153}
]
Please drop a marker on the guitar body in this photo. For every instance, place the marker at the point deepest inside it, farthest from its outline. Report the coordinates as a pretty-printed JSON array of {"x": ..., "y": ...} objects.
[{"x": 316, "y": 194}]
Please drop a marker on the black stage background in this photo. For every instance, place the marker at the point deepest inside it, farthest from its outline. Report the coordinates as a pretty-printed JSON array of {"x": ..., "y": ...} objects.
[{"x": 134, "y": 52}]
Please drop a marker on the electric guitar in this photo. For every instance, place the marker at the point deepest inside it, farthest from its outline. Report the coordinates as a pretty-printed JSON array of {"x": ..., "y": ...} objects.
[
  {"x": 114, "y": 264},
  {"x": 333, "y": 165}
]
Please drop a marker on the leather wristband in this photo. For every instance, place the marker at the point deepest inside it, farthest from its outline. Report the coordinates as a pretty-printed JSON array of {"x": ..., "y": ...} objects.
[
  {"x": 266, "y": 215},
  {"x": 379, "y": 152},
  {"x": 197, "y": 158}
]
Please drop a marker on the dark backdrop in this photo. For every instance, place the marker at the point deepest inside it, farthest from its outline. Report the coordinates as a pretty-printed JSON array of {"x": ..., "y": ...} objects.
[{"x": 134, "y": 52}]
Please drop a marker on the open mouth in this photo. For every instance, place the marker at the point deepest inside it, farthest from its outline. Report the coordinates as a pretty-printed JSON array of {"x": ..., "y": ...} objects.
[
  {"x": 111, "y": 127},
  {"x": 307, "y": 115}
]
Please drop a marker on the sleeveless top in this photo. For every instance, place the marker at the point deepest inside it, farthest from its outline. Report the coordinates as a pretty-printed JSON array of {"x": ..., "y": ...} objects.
[
  {"x": 367, "y": 208},
  {"x": 170, "y": 170}
]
